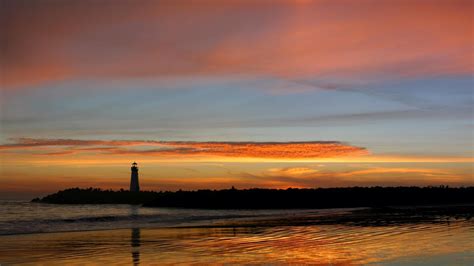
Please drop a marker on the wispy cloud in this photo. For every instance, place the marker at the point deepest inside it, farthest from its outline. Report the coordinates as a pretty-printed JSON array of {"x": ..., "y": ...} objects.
[
  {"x": 52, "y": 40},
  {"x": 275, "y": 150},
  {"x": 312, "y": 177}
]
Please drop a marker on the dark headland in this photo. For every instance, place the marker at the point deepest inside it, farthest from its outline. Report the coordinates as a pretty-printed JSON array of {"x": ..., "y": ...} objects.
[{"x": 318, "y": 198}]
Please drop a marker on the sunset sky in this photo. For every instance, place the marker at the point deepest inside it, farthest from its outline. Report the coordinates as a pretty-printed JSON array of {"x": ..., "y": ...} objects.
[{"x": 214, "y": 94}]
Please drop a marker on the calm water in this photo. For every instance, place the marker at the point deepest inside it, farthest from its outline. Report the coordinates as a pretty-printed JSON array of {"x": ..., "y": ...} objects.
[{"x": 74, "y": 234}]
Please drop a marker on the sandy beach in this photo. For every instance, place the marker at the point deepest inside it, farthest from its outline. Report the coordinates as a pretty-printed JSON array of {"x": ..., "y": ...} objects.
[
  {"x": 51, "y": 234},
  {"x": 420, "y": 244}
]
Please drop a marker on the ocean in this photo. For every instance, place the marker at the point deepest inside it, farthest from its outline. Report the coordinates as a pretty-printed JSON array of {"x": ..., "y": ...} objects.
[{"x": 37, "y": 233}]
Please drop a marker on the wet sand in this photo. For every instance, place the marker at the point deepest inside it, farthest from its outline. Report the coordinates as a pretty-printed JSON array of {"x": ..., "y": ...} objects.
[{"x": 237, "y": 242}]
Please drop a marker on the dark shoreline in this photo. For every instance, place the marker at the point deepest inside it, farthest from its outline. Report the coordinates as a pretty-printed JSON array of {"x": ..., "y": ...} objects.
[{"x": 320, "y": 198}]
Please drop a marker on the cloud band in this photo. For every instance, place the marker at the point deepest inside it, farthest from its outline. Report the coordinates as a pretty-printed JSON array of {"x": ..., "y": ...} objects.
[{"x": 274, "y": 150}]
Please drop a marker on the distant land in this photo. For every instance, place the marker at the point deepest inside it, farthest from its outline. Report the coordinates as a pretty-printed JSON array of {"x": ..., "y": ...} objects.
[{"x": 258, "y": 198}]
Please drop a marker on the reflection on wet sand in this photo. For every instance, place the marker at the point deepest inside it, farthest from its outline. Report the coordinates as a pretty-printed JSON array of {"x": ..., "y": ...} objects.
[
  {"x": 316, "y": 244},
  {"x": 135, "y": 237},
  {"x": 135, "y": 243}
]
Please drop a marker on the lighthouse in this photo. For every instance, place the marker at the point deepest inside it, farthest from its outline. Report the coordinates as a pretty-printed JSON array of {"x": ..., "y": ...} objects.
[{"x": 134, "y": 186}]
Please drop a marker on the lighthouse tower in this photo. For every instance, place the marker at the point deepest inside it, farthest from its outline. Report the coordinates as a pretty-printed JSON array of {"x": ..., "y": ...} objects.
[{"x": 134, "y": 186}]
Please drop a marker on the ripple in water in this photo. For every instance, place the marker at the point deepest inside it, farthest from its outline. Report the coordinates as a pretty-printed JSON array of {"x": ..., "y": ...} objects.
[
  {"x": 257, "y": 243},
  {"x": 325, "y": 244}
]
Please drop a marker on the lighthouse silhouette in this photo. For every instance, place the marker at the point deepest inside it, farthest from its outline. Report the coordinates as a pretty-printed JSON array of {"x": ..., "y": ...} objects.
[{"x": 134, "y": 186}]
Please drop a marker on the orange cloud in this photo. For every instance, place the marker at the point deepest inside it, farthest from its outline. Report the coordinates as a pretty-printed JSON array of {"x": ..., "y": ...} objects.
[
  {"x": 293, "y": 171},
  {"x": 53, "y": 40},
  {"x": 422, "y": 171},
  {"x": 73, "y": 151},
  {"x": 275, "y": 150},
  {"x": 369, "y": 172},
  {"x": 310, "y": 177},
  {"x": 315, "y": 149}
]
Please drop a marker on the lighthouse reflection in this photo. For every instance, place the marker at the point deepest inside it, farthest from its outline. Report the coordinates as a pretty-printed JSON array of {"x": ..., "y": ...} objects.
[
  {"x": 135, "y": 236},
  {"x": 135, "y": 243}
]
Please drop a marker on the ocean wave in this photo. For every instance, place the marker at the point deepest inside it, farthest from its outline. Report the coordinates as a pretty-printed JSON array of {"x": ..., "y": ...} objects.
[{"x": 105, "y": 222}]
